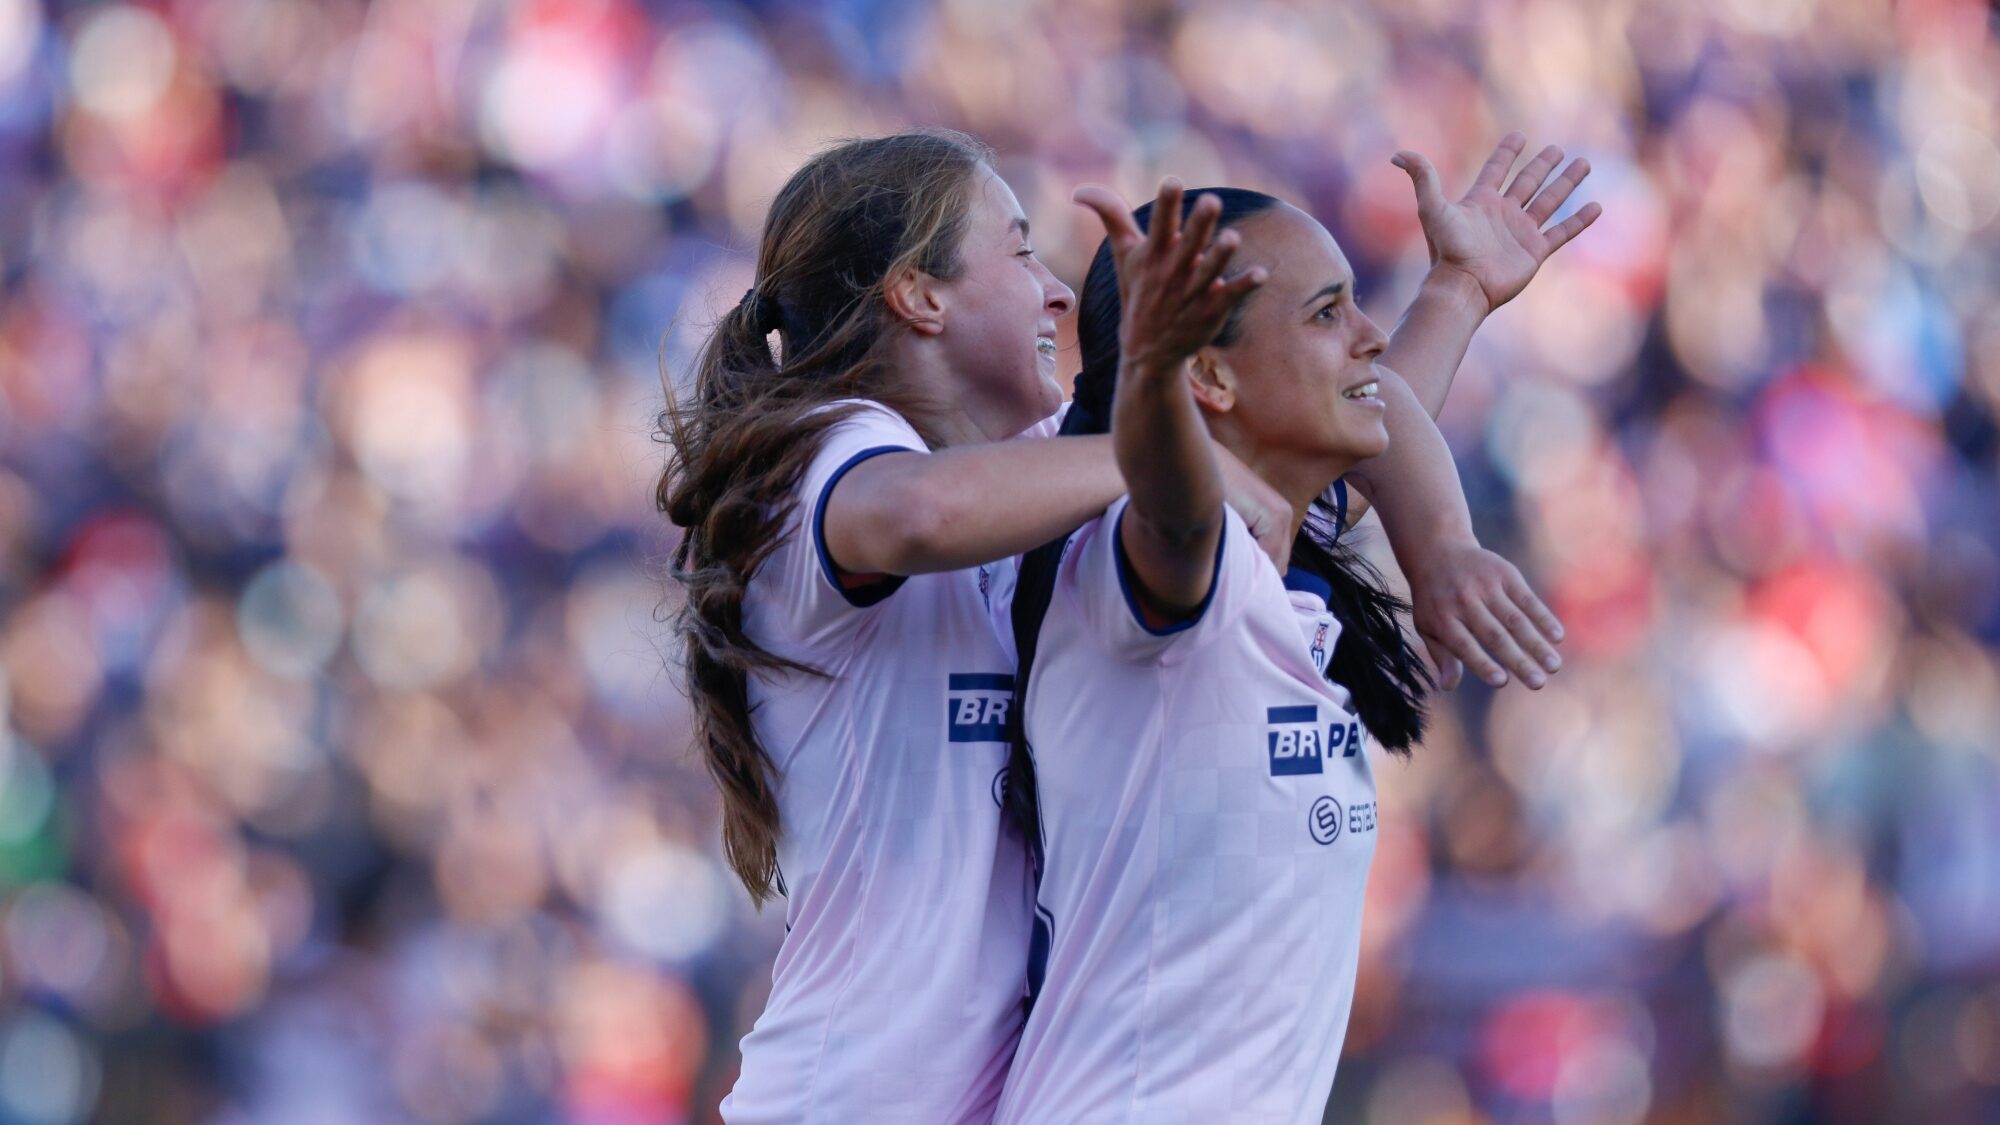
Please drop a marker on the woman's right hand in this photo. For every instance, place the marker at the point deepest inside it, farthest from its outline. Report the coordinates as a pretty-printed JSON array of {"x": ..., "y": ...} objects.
[
  {"x": 1173, "y": 294},
  {"x": 1267, "y": 514}
]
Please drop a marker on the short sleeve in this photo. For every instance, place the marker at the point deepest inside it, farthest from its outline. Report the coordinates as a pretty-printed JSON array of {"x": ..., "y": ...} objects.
[
  {"x": 807, "y": 597},
  {"x": 1097, "y": 578}
]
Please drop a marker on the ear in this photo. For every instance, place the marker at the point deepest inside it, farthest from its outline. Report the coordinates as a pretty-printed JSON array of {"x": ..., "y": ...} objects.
[
  {"x": 915, "y": 299},
  {"x": 1214, "y": 381}
]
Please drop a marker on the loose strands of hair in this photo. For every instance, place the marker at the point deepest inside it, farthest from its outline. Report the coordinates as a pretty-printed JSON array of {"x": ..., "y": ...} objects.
[
  {"x": 849, "y": 219},
  {"x": 1373, "y": 658}
]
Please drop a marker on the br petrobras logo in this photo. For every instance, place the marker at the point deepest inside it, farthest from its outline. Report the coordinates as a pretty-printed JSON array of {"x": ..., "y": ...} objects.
[
  {"x": 976, "y": 707},
  {"x": 1299, "y": 746},
  {"x": 1323, "y": 820},
  {"x": 1294, "y": 739}
]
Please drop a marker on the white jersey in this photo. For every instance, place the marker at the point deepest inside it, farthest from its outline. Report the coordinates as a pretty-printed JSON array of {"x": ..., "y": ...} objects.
[
  {"x": 1208, "y": 819},
  {"x": 897, "y": 994}
]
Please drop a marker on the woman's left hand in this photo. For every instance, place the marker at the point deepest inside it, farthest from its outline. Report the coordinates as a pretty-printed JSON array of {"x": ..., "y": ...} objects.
[
  {"x": 1471, "y": 605},
  {"x": 1491, "y": 238}
]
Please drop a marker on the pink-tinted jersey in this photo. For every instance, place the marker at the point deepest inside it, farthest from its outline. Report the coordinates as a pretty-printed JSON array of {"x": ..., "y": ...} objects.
[
  {"x": 897, "y": 995},
  {"x": 1208, "y": 818}
]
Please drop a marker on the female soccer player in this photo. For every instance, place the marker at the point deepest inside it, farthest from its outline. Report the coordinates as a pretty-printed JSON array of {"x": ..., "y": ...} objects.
[
  {"x": 1198, "y": 719},
  {"x": 839, "y": 495}
]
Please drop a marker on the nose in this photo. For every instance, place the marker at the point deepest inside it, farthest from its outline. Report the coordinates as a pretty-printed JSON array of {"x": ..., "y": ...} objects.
[
  {"x": 1060, "y": 298},
  {"x": 1369, "y": 341}
]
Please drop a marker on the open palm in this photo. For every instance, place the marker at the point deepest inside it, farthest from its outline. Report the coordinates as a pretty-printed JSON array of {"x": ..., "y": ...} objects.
[{"x": 1495, "y": 236}]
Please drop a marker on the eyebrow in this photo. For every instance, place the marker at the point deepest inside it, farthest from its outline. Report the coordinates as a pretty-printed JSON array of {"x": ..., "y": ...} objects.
[
  {"x": 1019, "y": 224},
  {"x": 1332, "y": 290}
]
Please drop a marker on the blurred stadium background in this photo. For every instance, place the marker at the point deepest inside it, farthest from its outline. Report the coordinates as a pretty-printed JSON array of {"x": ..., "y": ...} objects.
[{"x": 342, "y": 778}]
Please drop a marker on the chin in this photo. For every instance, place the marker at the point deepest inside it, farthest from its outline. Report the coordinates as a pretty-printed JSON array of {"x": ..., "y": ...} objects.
[
  {"x": 1049, "y": 395},
  {"x": 1380, "y": 442},
  {"x": 1359, "y": 442}
]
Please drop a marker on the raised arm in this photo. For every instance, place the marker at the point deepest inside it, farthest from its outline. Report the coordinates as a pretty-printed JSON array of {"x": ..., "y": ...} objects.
[
  {"x": 1174, "y": 299},
  {"x": 1484, "y": 250},
  {"x": 1471, "y": 604}
]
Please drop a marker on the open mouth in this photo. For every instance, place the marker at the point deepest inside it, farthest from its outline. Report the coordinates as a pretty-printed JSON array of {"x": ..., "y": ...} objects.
[
  {"x": 1045, "y": 345},
  {"x": 1364, "y": 391}
]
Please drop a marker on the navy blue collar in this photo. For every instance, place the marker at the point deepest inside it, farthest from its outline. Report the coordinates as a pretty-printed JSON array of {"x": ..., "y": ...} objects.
[{"x": 1308, "y": 582}]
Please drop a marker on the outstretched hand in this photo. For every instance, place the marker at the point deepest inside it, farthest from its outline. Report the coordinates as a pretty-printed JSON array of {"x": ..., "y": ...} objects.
[
  {"x": 1171, "y": 286},
  {"x": 1492, "y": 236},
  {"x": 1472, "y": 606}
]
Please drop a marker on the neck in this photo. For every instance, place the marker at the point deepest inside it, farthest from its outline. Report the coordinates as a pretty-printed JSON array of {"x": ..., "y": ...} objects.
[{"x": 958, "y": 411}]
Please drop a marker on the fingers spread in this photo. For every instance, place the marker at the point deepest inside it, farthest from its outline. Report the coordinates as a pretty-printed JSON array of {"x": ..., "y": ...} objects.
[
  {"x": 1537, "y": 170},
  {"x": 1199, "y": 232},
  {"x": 1232, "y": 290},
  {"x": 1424, "y": 178},
  {"x": 1164, "y": 230},
  {"x": 1119, "y": 227},
  {"x": 1556, "y": 194},
  {"x": 1213, "y": 261},
  {"x": 1495, "y": 169},
  {"x": 1571, "y": 227}
]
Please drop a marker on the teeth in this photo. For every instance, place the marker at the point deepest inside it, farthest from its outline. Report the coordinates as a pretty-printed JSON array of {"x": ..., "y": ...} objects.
[
  {"x": 1366, "y": 390},
  {"x": 1045, "y": 344}
]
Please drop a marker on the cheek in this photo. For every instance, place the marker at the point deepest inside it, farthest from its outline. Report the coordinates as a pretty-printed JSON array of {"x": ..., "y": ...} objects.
[
  {"x": 1004, "y": 306},
  {"x": 1291, "y": 398}
]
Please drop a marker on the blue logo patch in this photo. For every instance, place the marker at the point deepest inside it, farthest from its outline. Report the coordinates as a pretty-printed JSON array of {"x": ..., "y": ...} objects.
[
  {"x": 976, "y": 708},
  {"x": 1294, "y": 740},
  {"x": 1297, "y": 744}
]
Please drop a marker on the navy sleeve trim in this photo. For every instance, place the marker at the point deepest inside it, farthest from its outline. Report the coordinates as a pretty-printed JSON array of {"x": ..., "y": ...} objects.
[
  {"x": 1132, "y": 598},
  {"x": 870, "y": 593}
]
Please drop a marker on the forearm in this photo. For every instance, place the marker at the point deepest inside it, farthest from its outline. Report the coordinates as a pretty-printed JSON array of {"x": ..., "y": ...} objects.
[
  {"x": 1415, "y": 482},
  {"x": 965, "y": 507},
  {"x": 1169, "y": 466},
  {"x": 1430, "y": 341},
  {"x": 1165, "y": 456}
]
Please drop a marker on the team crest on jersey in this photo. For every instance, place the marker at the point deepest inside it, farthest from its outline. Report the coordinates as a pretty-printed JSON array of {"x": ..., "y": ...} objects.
[
  {"x": 1319, "y": 648},
  {"x": 1298, "y": 745},
  {"x": 976, "y": 706}
]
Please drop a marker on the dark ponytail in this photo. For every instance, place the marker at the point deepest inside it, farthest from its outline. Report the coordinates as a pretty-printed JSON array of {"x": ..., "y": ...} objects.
[{"x": 1372, "y": 659}]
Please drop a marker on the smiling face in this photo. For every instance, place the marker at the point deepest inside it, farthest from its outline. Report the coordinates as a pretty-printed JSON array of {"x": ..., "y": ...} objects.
[
  {"x": 1300, "y": 366},
  {"x": 1000, "y": 315}
]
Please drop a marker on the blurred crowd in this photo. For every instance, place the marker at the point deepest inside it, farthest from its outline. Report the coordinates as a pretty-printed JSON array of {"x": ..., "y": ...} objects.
[{"x": 343, "y": 775}]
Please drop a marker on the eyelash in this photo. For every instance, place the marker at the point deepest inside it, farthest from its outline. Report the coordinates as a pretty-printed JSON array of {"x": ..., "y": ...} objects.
[
  {"x": 1331, "y": 308},
  {"x": 1026, "y": 253}
]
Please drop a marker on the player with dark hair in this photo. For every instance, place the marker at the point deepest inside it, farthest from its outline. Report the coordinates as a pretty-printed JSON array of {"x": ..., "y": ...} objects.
[{"x": 1191, "y": 741}]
